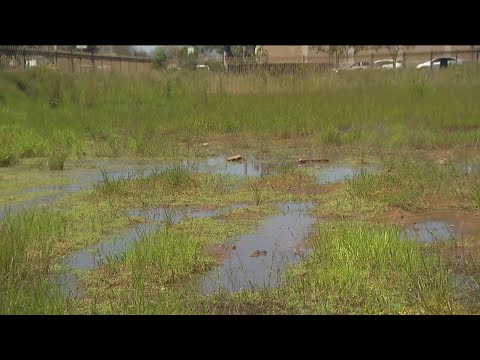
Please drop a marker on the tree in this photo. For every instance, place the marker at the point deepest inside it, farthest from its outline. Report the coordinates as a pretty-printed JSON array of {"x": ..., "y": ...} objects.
[
  {"x": 66, "y": 47},
  {"x": 393, "y": 51},
  {"x": 92, "y": 48},
  {"x": 123, "y": 50},
  {"x": 187, "y": 60},
  {"x": 140, "y": 53},
  {"x": 338, "y": 51},
  {"x": 159, "y": 58},
  {"x": 204, "y": 49}
]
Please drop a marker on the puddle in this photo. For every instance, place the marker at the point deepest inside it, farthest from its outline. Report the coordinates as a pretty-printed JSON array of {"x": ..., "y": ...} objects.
[
  {"x": 281, "y": 236},
  {"x": 80, "y": 178},
  {"x": 89, "y": 257},
  {"x": 333, "y": 174},
  {"x": 466, "y": 290},
  {"x": 248, "y": 167},
  {"x": 88, "y": 175},
  {"x": 465, "y": 284},
  {"x": 429, "y": 231},
  {"x": 27, "y": 204},
  {"x": 472, "y": 169},
  {"x": 85, "y": 178}
]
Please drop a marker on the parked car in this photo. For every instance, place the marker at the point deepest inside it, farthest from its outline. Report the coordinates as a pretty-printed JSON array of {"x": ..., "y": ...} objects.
[
  {"x": 204, "y": 67},
  {"x": 440, "y": 62},
  {"x": 387, "y": 64},
  {"x": 356, "y": 66}
]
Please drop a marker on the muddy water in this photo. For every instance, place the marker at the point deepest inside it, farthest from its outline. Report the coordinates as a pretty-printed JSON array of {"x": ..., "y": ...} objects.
[
  {"x": 219, "y": 165},
  {"x": 466, "y": 290},
  {"x": 85, "y": 178},
  {"x": 80, "y": 178},
  {"x": 281, "y": 236},
  {"x": 443, "y": 224},
  {"x": 336, "y": 173},
  {"x": 89, "y": 257},
  {"x": 430, "y": 231}
]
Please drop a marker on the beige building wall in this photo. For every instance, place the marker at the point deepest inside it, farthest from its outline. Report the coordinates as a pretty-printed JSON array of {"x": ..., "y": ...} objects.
[
  {"x": 284, "y": 53},
  {"x": 299, "y": 53}
]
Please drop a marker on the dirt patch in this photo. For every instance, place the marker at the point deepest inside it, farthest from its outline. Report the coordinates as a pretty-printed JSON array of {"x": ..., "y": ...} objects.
[
  {"x": 466, "y": 225},
  {"x": 290, "y": 185},
  {"x": 464, "y": 127},
  {"x": 438, "y": 155},
  {"x": 203, "y": 207},
  {"x": 219, "y": 252},
  {"x": 244, "y": 214},
  {"x": 450, "y": 154},
  {"x": 465, "y": 252},
  {"x": 225, "y": 305}
]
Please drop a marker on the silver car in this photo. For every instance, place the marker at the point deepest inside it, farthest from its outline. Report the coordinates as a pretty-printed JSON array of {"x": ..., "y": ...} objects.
[
  {"x": 440, "y": 62},
  {"x": 388, "y": 64},
  {"x": 356, "y": 66}
]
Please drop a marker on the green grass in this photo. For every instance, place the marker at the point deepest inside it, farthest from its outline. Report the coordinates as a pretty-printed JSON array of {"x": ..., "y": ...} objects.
[
  {"x": 7, "y": 159},
  {"x": 50, "y": 118},
  {"x": 358, "y": 269},
  {"x": 149, "y": 116},
  {"x": 25, "y": 264},
  {"x": 56, "y": 161},
  {"x": 144, "y": 272},
  {"x": 151, "y": 276},
  {"x": 354, "y": 268},
  {"x": 414, "y": 184}
]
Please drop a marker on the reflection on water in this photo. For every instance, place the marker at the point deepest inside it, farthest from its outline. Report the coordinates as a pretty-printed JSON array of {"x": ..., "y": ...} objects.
[{"x": 281, "y": 237}]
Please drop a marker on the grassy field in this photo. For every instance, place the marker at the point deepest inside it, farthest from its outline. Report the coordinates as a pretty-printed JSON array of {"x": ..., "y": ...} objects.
[{"x": 421, "y": 129}]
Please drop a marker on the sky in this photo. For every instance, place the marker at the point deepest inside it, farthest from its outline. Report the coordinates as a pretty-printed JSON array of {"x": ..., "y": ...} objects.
[{"x": 147, "y": 48}]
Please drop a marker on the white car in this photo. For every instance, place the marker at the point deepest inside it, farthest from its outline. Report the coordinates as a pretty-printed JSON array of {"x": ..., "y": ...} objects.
[
  {"x": 357, "y": 66},
  {"x": 387, "y": 64},
  {"x": 438, "y": 62},
  {"x": 205, "y": 67}
]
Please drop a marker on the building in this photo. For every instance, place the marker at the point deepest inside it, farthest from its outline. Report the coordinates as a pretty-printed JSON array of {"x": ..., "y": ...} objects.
[{"x": 311, "y": 53}]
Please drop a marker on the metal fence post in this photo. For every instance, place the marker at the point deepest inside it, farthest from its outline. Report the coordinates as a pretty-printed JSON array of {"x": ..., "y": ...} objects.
[
  {"x": 477, "y": 56},
  {"x": 24, "y": 59},
  {"x": 431, "y": 58},
  {"x": 120, "y": 65},
  {"x": 404, "y": 58},
  {"x": 371, "y": 60}
]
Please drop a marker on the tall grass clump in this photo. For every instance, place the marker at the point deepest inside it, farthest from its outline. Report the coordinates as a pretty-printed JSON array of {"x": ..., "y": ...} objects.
[
  {"x": 412, "y": 109},
  {"x": 108, "y": 185},
  {"x": 404, "y": 182},
  {"x": 167, "y": 256},
  {"x": 56, "y": 161},
  {"x": 7, "y": 157},
  {"x": 359, "y": 269},
  {"x": 172, "y": 178},
  {"x": 337, "y": 136},
  {"x": 26, "y": 262},
  {"x": 147, "y": 270}
]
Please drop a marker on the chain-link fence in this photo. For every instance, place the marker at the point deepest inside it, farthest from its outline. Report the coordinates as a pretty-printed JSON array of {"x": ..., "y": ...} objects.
[
  {"x": 25, "y": 57},
  {"x": 375, "y": 60}
]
